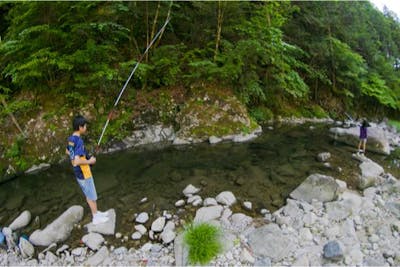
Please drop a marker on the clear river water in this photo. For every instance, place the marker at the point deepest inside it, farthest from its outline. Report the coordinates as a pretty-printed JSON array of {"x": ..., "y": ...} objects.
[{"x": 263, "y": 171}]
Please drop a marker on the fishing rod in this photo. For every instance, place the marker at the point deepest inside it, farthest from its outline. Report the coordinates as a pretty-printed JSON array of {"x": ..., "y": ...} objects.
[{"x": 129, "y": 78}]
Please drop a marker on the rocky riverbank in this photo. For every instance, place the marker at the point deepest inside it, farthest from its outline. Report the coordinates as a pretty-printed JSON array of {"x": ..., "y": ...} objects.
[{"x": 323, "y": 222}]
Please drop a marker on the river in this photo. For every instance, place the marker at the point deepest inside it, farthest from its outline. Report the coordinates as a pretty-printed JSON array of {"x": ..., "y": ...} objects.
[{"x": 263, "y": 171}]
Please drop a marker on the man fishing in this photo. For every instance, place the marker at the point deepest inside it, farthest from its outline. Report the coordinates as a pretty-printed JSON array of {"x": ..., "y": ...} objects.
[{"x": 81, "y": 162}]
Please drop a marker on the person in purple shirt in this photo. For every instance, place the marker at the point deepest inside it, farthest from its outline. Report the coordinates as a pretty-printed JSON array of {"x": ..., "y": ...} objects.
[{"x": 363, "y": 136}]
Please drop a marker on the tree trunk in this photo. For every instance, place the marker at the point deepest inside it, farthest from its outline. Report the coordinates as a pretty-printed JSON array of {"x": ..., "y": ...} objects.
[
  {"x": 147, "y": 29},
  {"x": 12, "y": 117},
  {"x": 161, "y": 33},
  {"x": 220, "y": 18},
  {"x": 153, "y": 30},
  {"x": 332, "y": 60}
]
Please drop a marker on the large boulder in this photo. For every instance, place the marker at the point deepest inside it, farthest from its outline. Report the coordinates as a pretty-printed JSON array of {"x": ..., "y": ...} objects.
[
  {"x": 60, "y": 229},
  {"x": 377, "y": 138},
  {"x": 150, "y": 134},
  {"x": 107, "y": 228},
  {"x": 316, "y": 186},
  {"x": 269, "y": 241},
  {"x": 370, "y": 173}
]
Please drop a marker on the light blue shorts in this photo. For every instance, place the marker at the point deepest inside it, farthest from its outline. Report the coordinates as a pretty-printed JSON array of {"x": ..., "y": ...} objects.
[{"x": 87, "y": 186}]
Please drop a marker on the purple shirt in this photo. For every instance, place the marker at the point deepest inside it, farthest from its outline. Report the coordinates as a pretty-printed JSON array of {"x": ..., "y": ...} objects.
[{"x": 363, "y": 132}]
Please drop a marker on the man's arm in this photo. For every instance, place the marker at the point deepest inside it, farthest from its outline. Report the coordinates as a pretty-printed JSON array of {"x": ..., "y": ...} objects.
[{"x": 79, "y": 161}]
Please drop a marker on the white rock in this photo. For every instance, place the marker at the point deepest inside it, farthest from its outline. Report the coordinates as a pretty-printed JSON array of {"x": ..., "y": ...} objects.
[
  {"x": 240, "y": 221},
  {"x": 93, "y": 240},
  {"x": 332, "y": 232},
  {"x": 180, "y": 203},
  {"x": 210, "y": 202},
  {"x": 243, "y": 137},
  {"x": 79, "y": 251},
  {"x": 36, "y": 168},
  {"x": 169, "y": 226},
  {"x": 305, "y": 234},
  {"x": 264, "y": 211},
  {"x": 7, "y": 232},
  {"x": 373, "y": 239},
  {"x": 246, "y": 257},
  {"x": 167, "y": 215},
  {"x": 99, "y": 257},
  {"x": 158, "y": 224},
  {"x": 151, "y": 235},
  {"x": 309, "y": 218},
  {"x": 247, "y": 205},
  {"x": 62, "y": 249},
  {"x": 136, "y": 236},
  {"x": 214, "y": 139},
  {"x": 143, "y": 200},
  {"x": 118, "y": 235},
  {"x": 342, "y": 184},
  {"x": 180, "y": 141},
  {"x": 51, "y": 246},
  {"x": 324, "y": 156},
  {"x": 190, "y": 190},
  {"x": 142, "y": 218},
  {"x": 193, "y": 198},
  {"x": 107, "y": 228},
  {"x": 206, "y": 214},
  {"x": 168, "y": 236},
  {"x": 197, "y": 202},
  {"x": 50, "y": 258},
  {"x": 59, "y": 230},
  {"x": 316, "y": 186},
  {"x": 21, "y": 221},
  {"x": 226, "y": 198},
  {"x": 146, "y": 247},
  {"x": 141, "y": 229},
  {"x": 26, "y": 248}
]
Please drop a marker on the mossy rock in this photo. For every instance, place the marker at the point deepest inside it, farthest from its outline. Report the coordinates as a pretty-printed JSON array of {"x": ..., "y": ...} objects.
[{"x": 213, "y": 113}]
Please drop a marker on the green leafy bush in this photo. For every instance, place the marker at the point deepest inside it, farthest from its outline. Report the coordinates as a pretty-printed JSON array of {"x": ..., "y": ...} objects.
[
  {"x": 15, "y": 153},
  {"x": 318, "y": 112},
  {"x": 203, "y": 242},
  {"x": 395, "y": 124},
  {"x": 261, "y": 114}
]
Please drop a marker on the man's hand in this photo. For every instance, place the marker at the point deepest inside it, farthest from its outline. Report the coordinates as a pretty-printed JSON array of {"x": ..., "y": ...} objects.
[{"x": 92, "y": 160}]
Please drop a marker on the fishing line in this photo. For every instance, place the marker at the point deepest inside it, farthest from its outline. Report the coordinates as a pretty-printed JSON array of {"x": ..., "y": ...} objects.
[{"x": 129, "y": 78}]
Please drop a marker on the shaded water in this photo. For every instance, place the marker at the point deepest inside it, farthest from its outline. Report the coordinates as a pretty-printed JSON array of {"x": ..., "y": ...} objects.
[{"x": 263, "y": 171}]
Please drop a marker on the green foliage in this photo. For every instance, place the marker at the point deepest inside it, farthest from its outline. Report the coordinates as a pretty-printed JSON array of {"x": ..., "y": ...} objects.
[
  {"x": 203, "y": 242},
  {"x": 166, "y": 107},
  {"x": 396, "y": 124},
  {"x": 15, "y": 153},
  {"x": 318, "y": 112},
  {"x": 75, "y": 99},
  {"x": 17, "y": 107},
  {"x": 375, "y": 87},
  {"x": 261, "y": 114},
  {"x": 266, "y": 51}
]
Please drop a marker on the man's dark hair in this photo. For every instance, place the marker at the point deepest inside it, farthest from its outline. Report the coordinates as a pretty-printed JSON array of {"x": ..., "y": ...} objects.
[
  {"x": 77, "y": 122},
  {"x": 365, "y": 123}
]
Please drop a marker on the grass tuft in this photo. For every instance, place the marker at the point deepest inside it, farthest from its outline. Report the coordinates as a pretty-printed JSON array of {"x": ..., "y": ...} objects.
[{"x": 203, "y": 243}]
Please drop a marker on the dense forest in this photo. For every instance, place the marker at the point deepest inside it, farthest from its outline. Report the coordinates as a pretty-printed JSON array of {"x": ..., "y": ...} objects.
[
  {"x": 337, "y": 55},
  {"x": 279, "y": 58}
]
